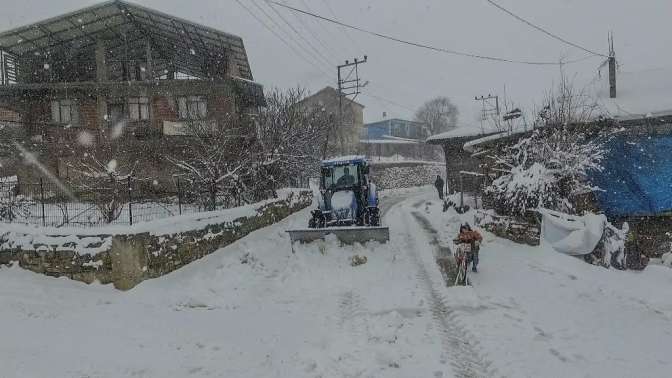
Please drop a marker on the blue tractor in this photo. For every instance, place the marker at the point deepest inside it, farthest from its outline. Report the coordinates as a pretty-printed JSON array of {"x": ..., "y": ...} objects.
[{"x": 347, "y": 204}]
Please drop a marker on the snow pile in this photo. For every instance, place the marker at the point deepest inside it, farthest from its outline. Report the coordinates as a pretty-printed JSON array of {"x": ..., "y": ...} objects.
[
  {"x": 83, "y": 245},
  {"x": 667, "y": 259},
  {"x": 344, "y": 199}
]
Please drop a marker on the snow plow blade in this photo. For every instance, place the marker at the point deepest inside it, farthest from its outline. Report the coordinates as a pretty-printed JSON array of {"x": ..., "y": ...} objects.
[{"x": 347, "y": 235}]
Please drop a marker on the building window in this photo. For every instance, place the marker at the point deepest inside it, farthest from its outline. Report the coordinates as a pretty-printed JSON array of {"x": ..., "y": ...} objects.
[
  {"x": 192, "y": 107},
  {"x": 116, "y": 111},
  {"x": 63, "y": 111},
  {"x": 138, "y": 108}
]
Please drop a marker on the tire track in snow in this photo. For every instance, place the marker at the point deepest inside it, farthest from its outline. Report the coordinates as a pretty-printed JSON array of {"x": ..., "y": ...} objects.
[
  {"x": 461, "y": 347},
  {"x": 351, "y": 311}
]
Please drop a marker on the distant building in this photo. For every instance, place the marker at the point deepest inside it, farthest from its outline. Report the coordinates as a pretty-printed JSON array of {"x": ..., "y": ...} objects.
[
  {"x": 394, "y": 128},
  {"x": 345, "y": 139},
  {"x": 397, "y": 139}
]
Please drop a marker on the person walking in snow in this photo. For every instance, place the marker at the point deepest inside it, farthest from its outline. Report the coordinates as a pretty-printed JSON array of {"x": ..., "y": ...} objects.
[
  {"x": 439, "y": 186},
  {"x": 474, "y": 238}
]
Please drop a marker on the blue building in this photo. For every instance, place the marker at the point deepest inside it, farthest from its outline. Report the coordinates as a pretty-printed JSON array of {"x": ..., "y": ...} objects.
[{"x": 394, "y": 128}]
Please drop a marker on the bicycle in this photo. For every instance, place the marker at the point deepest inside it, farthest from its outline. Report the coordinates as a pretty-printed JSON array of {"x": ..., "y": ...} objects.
[{"x": 463, "y": 257}]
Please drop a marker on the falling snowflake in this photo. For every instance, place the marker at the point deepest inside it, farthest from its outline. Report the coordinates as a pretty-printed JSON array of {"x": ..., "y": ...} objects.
[
  {"x": 85, "y": 139},
  {"x": 118, "y": 130},
  {"x": 46, "y": 66},
  {"x": 111, "y": 166}
]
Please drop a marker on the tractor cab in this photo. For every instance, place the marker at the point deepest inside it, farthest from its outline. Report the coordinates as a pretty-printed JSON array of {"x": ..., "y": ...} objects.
[{"x": 348, "y": 173}]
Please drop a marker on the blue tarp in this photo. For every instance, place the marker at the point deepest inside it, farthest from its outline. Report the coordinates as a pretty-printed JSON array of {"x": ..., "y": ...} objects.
[{"x": 637, "y": 176}]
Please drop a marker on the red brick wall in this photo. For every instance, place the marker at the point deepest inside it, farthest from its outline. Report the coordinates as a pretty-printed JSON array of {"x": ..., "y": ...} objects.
[
  {"x": 9, "y": 115},
  {"x": 220, "y": 106},
  {"x": 88, "y": 114},
  {"x": 162, "y": 111}
]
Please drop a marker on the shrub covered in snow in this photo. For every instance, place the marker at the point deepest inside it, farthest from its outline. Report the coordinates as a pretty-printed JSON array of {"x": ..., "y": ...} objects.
[{"x": 547, "y": 169}]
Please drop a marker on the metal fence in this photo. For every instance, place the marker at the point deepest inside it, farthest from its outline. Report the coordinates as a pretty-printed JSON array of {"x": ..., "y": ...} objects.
[{"x": 51, "y": 204}]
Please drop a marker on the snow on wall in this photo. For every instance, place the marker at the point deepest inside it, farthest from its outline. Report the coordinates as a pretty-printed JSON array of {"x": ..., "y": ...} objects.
[
  {"x": 407, "y": 176},
  {"x": 126, "y": 256}
]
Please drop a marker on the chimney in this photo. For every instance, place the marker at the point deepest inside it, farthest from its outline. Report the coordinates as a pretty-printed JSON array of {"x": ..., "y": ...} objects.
[{"x": 612, "y": 67}]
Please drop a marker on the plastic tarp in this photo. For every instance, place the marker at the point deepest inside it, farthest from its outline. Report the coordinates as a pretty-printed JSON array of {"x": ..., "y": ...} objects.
[
  {"x": 572, "y": 235},
  {"x": 637, "y": 176}
]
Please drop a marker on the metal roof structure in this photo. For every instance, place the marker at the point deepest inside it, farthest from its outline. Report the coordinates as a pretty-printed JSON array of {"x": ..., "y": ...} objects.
[
  {"x": 189, "y": 47},
  {"x": 344, "y": 160}
]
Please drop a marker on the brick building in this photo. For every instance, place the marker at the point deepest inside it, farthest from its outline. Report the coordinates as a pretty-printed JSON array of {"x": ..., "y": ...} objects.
[{"x": 120, "y": 63}]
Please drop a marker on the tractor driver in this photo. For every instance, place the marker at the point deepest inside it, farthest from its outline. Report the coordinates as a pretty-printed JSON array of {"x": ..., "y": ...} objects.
[{"x": 347, "y": 179}]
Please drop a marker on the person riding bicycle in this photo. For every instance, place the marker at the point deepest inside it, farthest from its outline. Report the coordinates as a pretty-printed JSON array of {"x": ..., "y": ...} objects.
[{"x": 473, "y": 238}]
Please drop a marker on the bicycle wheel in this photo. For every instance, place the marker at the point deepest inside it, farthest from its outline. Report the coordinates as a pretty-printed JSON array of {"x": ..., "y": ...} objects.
[{"x": 461, "y": 278}]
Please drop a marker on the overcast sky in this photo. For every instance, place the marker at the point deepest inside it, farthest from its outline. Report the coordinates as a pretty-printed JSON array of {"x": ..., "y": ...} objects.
[{"x": 403, "y": 77}]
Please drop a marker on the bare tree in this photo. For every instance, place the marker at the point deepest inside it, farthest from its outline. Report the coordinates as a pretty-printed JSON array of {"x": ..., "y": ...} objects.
[
  {"x": 101, "y": 174},
  {"x": 218, "y": 158},
  {"x": 290, "y": 137},
  {"x": 439, "y": 115},
  {"x": 564, "y": 104}
]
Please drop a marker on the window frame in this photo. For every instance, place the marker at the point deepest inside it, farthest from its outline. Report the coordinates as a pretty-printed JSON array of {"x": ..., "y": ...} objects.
[
  {"x": 141, "y": 103},
  {"x": 186, "y": 110},
  {"x": 61, "y": 104},
  {"x": 117, "y": 102}
]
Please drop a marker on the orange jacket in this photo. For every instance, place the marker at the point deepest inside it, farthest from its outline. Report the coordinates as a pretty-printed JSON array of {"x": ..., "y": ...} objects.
[{"x": 470, "y": 236}]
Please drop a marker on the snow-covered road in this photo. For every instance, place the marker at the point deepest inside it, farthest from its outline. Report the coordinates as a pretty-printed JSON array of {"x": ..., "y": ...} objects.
[{"x": 254, "y": 309}]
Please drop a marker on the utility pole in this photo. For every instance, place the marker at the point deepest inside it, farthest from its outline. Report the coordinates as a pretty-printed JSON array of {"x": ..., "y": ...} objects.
[
  {"x": 488, "y": 110},
  {"x": 347, "y": 86},
  {"x": 612, "y": 67}
]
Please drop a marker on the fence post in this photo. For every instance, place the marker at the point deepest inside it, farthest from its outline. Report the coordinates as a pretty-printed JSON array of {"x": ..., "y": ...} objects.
[
  {"x": 461, "y": 191},
  {"x": 130, "y": 202},
  {"x": 44, "y": 220},
  {"x": 213, "y": 197},
  {"x": 179, "y": 196}
]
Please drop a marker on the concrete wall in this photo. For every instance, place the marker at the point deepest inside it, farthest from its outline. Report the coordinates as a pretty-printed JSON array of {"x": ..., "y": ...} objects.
[{"x": 127, "y": 259}]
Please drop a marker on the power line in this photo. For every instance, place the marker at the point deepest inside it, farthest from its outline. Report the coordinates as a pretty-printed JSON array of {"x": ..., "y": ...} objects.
[
  {"x": 391, "y": 102},
  {"x": 297, "y": 52},
  {"x": 539, "y": 28},
  {"x": 417, "y": 44},
  {"x": 315, "y": 51},
  {"x": 315, "y": 35},
  {"x": 345, "y": 31}
]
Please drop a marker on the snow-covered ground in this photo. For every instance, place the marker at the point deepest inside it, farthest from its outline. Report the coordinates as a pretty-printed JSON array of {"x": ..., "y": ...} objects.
[{"x": 255, "y": 309}]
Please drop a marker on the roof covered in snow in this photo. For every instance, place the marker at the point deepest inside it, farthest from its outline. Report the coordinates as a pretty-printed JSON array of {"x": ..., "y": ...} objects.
[
  {"x": 182, "y": 42},
  {"x": 465, "y": 131},
  {"x": 639, "y": 93}
]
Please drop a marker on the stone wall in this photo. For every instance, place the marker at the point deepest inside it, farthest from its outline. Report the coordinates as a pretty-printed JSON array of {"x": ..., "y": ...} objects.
[
  {"x": 401, "y": 175},
  {"x": 521, "y": 231},
  {"x": 127, "y": 259}
]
